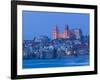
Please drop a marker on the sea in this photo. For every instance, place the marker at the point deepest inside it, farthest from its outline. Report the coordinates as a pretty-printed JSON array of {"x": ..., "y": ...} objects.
[{"x": 69, "y": 61}]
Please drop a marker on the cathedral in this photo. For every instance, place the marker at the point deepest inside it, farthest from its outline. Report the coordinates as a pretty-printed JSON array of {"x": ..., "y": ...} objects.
[{"x": 56, "y": 34}]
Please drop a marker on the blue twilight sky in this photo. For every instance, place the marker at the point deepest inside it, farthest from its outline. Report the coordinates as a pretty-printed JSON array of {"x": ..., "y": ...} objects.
[{"x": 43, "y": 23}]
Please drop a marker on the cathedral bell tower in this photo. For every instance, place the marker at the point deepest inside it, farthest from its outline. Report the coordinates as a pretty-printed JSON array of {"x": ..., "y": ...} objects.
[
  {"x": 55, "y": 33},
  {"x": 66, "y": 32}
]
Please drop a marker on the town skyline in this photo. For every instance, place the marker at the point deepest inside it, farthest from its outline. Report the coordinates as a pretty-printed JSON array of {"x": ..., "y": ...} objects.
[{"x": 42, "y": 23}]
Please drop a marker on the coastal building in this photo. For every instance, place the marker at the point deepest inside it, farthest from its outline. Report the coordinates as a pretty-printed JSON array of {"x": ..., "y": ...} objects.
[
  {"x": 77, "y": 33},
  {"x": 56, "y": 34}
]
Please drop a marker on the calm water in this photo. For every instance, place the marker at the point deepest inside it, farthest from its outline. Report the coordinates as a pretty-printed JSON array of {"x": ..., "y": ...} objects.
[{"x": 68, "y": 61}]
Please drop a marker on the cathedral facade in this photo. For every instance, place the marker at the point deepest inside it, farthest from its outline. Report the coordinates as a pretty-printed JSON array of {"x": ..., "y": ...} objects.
[{"x": 56, "y": 34}]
